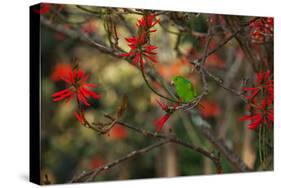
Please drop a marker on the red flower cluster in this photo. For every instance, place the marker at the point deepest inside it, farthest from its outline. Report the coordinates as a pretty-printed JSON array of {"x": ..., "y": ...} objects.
[
  {"x": 140, "y": 47},
  {"x": 261, "y": 29},
  {"x": 78, "y": 86},
  {"x": 261, "y": 101}
]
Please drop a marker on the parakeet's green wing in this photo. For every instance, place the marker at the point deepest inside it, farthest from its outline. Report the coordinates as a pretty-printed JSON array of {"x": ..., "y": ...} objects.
[{"x": 184, "y": 88}]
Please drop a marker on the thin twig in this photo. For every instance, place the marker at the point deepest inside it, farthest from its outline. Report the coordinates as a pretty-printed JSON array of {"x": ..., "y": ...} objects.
[
  {"x": 223, "y": 43},
  {"x": 89, "y": 176},
  {"x": 209, "y": 74},
  {"x": 173, "y": 139},
  {"x": 88, "y": 10},
  {"x": 205, "y": 53},
  {"x": 233, "y": 23},
  {"x": 128, "y": 11},
  {"x": 79, "y": 36},
  {"x": 154, "y": 91},
  {"x": 220, "y": 45},
  {"x": 65, "y": 19},
  {"x": 234, "y": 159}
]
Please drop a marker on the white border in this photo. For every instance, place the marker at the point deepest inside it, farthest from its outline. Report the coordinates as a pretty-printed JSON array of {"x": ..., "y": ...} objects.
[{"x": 14, "y": 93}]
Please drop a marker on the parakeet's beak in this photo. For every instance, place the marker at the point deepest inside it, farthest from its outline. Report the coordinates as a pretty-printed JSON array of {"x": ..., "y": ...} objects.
[{"x": 172, "y": 82}]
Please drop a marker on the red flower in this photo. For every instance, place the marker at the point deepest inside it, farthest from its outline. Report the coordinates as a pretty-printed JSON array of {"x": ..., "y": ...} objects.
[
  {"x": 80, "y": 117},
  {"x": 255, "y": 120},
  {"x": 263, "y": 82},
  {"x": 78, "y": 86},
  {"x": 263, "y": 114},
  {"x": 263, "y": 77},
  {"x": 253, "y": 90},
  {"x": 44, "y": 8},
  {"x": 261, "y": 29},
  {"x": 140, "y": 47},
  {"x": 160, "y": 122},
  {"x": 147, "y": 22},
  {"x": 60, "y": 70},
  {"x": 169, "y": 111},
  {"x": 261, "y": 101}
]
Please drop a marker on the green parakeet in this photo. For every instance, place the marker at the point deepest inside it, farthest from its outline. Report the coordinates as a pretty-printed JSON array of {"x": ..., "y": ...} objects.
[{"x": 184, "y": 88}]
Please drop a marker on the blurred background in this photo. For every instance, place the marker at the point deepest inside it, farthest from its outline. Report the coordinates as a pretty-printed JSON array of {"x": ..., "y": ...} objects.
[{"x": 69, "y": 148}]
